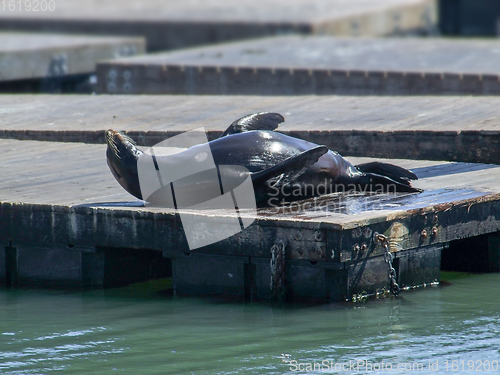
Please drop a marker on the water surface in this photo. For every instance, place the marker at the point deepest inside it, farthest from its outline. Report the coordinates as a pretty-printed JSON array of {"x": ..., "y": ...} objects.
[{"x": 138, "y": 330}]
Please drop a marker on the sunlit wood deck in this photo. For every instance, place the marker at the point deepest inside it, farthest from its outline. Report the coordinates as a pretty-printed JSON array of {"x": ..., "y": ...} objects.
[{"x": 435, "y": 128}]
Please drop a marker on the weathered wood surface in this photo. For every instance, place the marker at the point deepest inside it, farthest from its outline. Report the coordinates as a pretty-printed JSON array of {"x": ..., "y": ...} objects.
[
  {"x": 322, "y": 65},
  {"x": 72, "y": 178},
  {"x": 173, "y": 24},
  {"x": 437, "y": 128},
  {"x": 28, "y": 55}
]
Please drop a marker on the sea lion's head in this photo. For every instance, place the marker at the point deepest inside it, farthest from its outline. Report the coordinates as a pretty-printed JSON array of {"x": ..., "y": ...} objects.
[{"x": 122, "y": 155}]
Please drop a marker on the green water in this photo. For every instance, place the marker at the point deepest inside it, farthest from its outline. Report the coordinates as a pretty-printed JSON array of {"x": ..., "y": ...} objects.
[{"x": 137, "y": 330}]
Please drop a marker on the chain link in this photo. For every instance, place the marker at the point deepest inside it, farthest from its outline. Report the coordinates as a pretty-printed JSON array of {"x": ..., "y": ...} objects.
[{"x": 389, "y": 258}]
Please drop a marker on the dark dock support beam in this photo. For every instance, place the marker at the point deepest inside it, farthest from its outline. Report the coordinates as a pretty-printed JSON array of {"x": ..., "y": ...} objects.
[
  {"x": 55, "y": 265},
  {"x": 474, "y": 254}
]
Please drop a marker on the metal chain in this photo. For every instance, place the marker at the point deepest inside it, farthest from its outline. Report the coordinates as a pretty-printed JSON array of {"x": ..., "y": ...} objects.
[{"x": 389, "y": 258}]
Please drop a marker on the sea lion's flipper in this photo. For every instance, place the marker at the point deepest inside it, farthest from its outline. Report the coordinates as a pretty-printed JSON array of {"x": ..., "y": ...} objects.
[
  {"x": 256, "y": 121},
  {"x": 394, "y": 172},
  {"x": 377, "y": 183},
  {"x": 289, "y": 169}
]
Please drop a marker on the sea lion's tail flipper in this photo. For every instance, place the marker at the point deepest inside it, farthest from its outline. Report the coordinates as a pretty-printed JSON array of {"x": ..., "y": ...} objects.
[
  {"x": 372, "y": 182},
  {"x": 392, "y": 171},
  {"x": 256, "y": 121},
  {"x": 387, "y": 177},
  {"x": 289, "y": 169}
]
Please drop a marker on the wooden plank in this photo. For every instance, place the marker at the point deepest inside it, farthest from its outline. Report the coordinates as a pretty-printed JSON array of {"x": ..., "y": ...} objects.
[
  {"x": 173, "y": 24},
  {"x": 50, "y": 173},
  {"x": 180, "y": 112},
  {"x": 27, "y": 56},
  {"x": 322, "y": 65},
  {"x": 437, "y": 128}
]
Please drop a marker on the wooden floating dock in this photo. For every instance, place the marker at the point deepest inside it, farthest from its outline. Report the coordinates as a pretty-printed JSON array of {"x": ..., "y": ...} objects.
[
  {"x": 173, "y": 24},
  {"x": 320, "y": 65},
  {"x": 36, "y": 57},
  {"x": 436, "y": 128},
  {"x": 65, "y": 221}
]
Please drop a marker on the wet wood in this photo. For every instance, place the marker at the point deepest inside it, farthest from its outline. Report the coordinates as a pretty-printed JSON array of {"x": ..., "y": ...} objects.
[
  {"x": 173, "y": 24},
  {"x": 437, "y": 128},
  {"x": 28, "y": 55},
  {"x": 321, "y": 65}
]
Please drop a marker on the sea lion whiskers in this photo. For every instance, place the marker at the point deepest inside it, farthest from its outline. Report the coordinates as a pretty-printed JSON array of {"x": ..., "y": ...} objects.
[
  {"x": 127, "y": 138},
  {"x": 111, "y": 136},
  {"x": 110, "y": 140}
]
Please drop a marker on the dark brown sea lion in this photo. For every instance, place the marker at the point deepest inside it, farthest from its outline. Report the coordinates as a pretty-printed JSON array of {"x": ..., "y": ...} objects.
[{"x": 282, "y": 168}]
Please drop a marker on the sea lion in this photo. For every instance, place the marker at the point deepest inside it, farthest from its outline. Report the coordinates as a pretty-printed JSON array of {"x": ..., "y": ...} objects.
[{"x": 282, "y": 168}]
